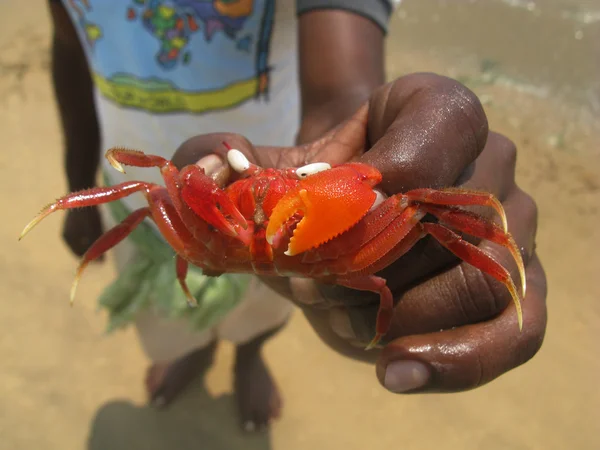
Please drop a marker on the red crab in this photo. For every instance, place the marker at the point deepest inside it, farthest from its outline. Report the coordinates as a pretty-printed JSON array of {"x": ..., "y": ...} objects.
[{"x": 317, "y": 221}]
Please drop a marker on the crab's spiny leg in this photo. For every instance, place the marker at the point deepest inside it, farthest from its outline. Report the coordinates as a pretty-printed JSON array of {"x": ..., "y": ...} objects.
[
  {"x": 118, "y": 156},
  {"x": 480, "y": 227},
  {"x": 393, "y": 238},
  {"x": 168, "y": 220},
  {"x": 88, "y": 197},
  {"x": 182, "y": 269},
  {"x": 107, "y": 241},
  {"x": 380, "y": 250},
  {"x": 386, "y": 303},
  {"x": 173, "y": 181},
  {"x": 414, "y": 235},
  {"x": 458, "y": 197},
  {"x": 385, "y": 312},
  {"x": 474, "y": 256}
]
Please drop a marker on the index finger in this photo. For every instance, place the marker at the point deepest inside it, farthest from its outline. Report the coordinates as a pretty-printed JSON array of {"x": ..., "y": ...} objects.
[{"x": 424, "y": 131}]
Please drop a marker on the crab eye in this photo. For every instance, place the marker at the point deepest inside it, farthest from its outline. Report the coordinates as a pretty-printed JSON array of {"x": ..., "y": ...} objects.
[{"x": 311, "y": 169}]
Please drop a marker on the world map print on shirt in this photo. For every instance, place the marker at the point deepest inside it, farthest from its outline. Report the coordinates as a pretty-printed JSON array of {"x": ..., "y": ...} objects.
[{"x": 169, "y": 56}]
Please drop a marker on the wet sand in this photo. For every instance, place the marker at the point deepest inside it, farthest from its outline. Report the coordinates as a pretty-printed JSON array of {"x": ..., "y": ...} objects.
[{"x": 64, "y": 385}]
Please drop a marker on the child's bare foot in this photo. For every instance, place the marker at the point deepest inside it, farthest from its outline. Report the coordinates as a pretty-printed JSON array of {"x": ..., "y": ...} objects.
[
  {"x": 258, "y": 399},
  {"x": 257, "y": 395},
  {"x": 165, "y": 381}
]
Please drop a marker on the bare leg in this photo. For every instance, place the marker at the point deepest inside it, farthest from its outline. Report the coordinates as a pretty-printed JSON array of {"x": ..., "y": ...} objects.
[
  {"x": 166, "y": 381},
  {"x": 258, "y": 398}
]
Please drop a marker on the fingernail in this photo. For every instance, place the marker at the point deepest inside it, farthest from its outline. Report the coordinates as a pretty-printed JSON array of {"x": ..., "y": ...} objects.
[
  {"x": 339, "y": 319},
  {"x": 210, "y": 164},
  {"x": 403, "y": 376}
]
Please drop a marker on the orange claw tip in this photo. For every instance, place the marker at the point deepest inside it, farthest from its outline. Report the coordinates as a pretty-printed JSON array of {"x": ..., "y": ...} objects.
[
  {"x": 500, "y": 210},
  {"x": 191, "y": 300},
  {"x": 47, "y": 210},
  {"x": 78, "y": 274},
  {"x": 374, "y": 342},
  {"x": 113, "y": 162},
  {"x": 517, "y": 302}
]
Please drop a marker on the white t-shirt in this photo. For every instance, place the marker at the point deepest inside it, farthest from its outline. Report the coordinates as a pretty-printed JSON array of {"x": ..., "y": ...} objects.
[{"x": 167, "y": 70}]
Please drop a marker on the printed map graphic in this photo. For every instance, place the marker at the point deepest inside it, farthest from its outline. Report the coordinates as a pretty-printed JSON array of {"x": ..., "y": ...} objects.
[{"x": 168, "y": 56}]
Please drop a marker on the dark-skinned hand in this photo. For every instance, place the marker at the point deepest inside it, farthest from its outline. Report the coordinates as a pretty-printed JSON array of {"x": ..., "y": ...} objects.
[{"x": 454, "y": 328}]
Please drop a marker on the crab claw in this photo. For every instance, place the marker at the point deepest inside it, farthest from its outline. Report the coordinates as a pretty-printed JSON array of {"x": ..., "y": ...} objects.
[
  {"x": 332, "y": 201},
  {"x": 210, "y": 202}
]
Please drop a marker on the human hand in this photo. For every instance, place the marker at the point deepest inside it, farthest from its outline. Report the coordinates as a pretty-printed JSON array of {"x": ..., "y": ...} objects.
[
  {"x": 425, "y": 131},
  {"x": 81, "y": 228}
]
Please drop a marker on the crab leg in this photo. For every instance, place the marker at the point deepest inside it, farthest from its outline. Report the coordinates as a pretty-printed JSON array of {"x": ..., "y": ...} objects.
[
  {"x": 161, "y": 208},
  {"x": 458, "y": 197},
  {"x": 107, "y": 241},
  {"x": 482, "y": 228},
  {"x": 466, "y": 251},
  {"x": 371, "y": 283},
  {"x": 378, "y": 285},
  {"x": 88, "y": 197},
  {"x": 477, "y": 258},
  {"x": 192, "y": 184},
  {"x": 118, "y": 156},
  {"x": 181, "y": 267},
  {"x": 406, "y": 230}
]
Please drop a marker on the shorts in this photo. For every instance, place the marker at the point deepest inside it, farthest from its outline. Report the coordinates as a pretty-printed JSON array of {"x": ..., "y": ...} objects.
[{"x": 232, "y": 307}]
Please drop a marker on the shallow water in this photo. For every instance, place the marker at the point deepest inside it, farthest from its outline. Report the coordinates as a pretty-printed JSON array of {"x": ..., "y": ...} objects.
[{"x": 551, "y": 48}]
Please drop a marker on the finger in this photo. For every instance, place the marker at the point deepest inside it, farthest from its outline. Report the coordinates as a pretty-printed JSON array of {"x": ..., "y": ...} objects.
[
  {"x": 493, "y": 172},
  {"x": 424, "y": 130},
  {"x": 459, "y": 296},
  {"x": 203, "y": 145},
  {"x": 210, "y": 152},
  {"x": 467, "y": 357}
]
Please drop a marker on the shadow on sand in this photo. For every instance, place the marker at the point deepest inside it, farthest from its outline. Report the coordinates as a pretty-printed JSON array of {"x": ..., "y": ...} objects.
[{"x": 195, "y": 421}]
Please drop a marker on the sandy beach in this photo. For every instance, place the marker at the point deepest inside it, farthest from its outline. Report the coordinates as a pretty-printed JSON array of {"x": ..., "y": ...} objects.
[{"x": 66, "y": 385}]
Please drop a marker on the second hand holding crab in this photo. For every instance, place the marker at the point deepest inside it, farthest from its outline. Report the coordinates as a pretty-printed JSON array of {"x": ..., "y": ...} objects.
[{"x": 317, "y": 221}]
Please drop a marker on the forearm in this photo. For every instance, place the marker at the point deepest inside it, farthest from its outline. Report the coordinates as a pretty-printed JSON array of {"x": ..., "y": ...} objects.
[
  {"x": 341, "y": 63},
  {"x": 73, "y": 89}
]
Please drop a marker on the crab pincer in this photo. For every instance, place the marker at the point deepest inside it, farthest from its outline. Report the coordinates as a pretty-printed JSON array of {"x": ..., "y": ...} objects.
[
  {"x": 331, "y": 202},
  {"x": 210, "y": 202}
]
